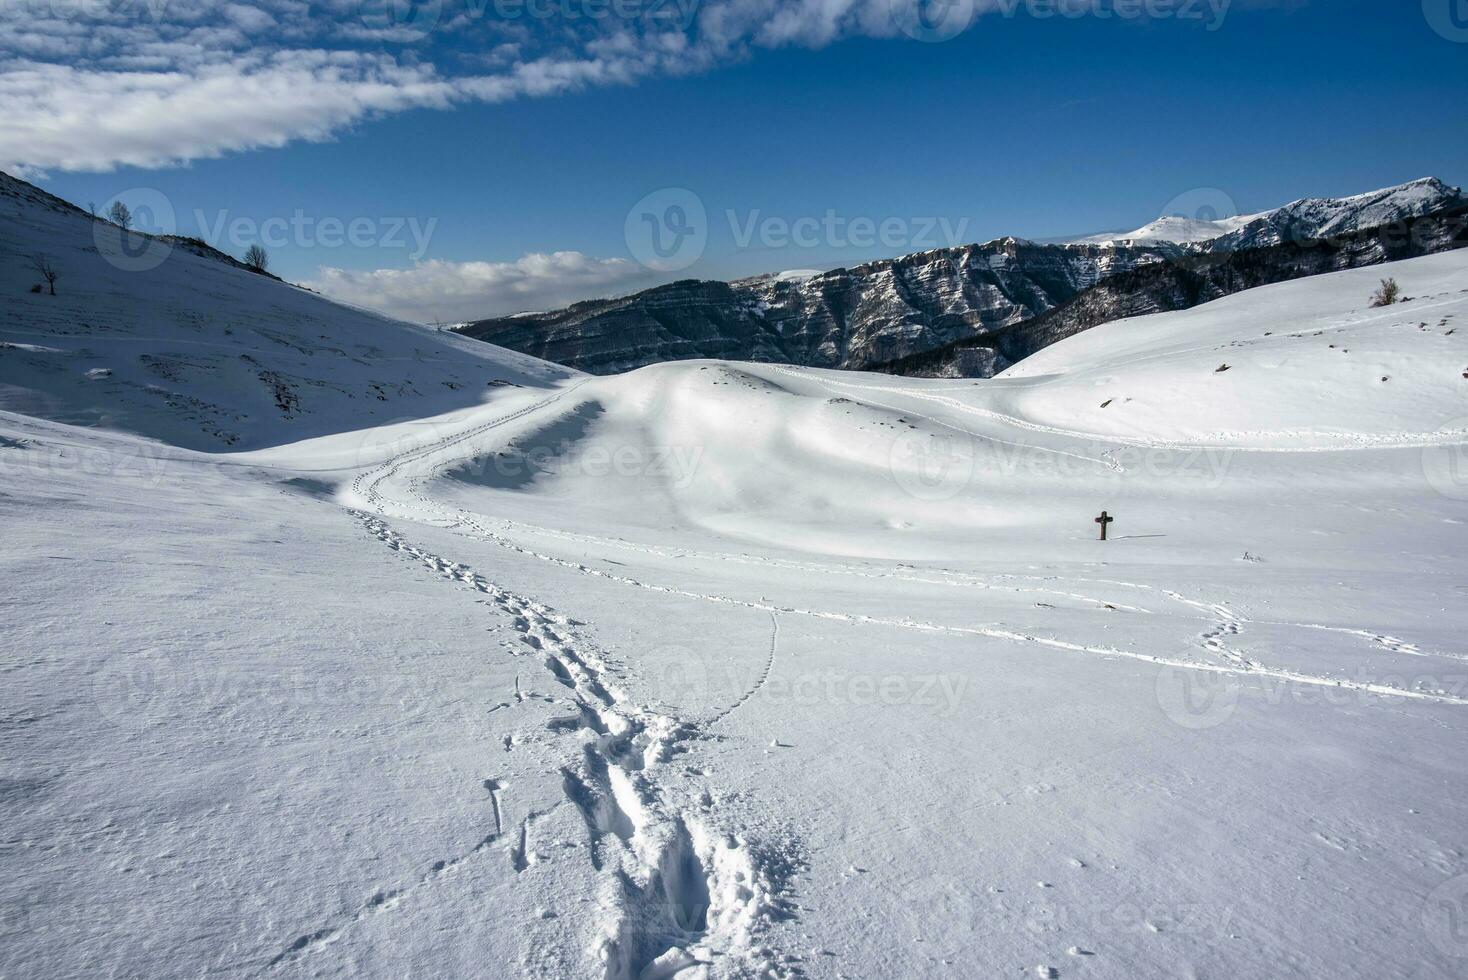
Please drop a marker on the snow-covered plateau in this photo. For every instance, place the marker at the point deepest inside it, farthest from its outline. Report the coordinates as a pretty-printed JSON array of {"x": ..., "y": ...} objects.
[{"x": 335, "y": 646}]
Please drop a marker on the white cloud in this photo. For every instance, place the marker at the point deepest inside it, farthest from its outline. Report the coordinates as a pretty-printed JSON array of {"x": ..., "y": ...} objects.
[
  {"x": 73, "y": 119},
  {"x": 96, "y": 84},
  {"x": 251, "y": 19},
  {"x": 439, "y": 291}
]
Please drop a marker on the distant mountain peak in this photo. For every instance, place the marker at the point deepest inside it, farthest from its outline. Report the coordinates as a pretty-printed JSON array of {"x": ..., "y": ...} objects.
[{"x": 1306, "y": 218}]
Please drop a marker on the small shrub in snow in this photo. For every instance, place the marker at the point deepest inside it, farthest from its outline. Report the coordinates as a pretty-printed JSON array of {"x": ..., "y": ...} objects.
[
  {"x": 256, "y": 258},
  {"x": 1387, "y": 293},
  {"x": 119, "y": 215},
  {"x": 43, "y": 265}
]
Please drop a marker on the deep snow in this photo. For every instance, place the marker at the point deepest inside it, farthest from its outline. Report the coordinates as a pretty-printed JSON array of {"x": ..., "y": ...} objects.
[{"x": 734, "y": 669}]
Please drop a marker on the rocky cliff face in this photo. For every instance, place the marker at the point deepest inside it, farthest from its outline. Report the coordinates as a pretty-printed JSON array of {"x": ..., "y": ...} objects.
[
  {"x": 883, "y": 312},
  {"x": 1182, "y": 284},
  {"x": 848, "y": 318}
]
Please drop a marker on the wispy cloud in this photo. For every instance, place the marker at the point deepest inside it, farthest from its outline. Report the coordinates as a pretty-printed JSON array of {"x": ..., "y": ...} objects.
[
  {"x": 70, "y": 118},
  {"x": 439, "y": 291},
  {"x": 95, "y": 84}
]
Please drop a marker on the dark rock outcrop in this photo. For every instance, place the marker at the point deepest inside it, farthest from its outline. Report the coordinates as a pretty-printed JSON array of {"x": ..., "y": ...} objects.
[
  {"x": 1185, "y": 283},
  {"x": 885, "y": 312}
]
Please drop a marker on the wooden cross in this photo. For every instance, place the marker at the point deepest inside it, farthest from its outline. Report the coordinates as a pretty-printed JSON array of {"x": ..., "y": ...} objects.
[{"x": 1104, "y": 520}]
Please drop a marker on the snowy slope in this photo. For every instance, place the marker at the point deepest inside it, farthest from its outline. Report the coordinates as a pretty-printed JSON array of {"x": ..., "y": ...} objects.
[
  {"x": 146, "y": 336},
  {"x": 730, "y": 670},
  {"x": 1314, "y": 368}
]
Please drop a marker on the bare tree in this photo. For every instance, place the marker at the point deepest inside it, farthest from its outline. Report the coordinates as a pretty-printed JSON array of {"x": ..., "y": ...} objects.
[
  {"x": 1387, "y": 294},
  {"x": 256, "y": 258},
  {"x": 120, "y": 215},
  {"x": 43, "y": 265}
]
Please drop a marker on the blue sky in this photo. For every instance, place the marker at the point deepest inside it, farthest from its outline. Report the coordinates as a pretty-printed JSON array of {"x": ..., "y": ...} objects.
[{"x": 487, "y": 162}]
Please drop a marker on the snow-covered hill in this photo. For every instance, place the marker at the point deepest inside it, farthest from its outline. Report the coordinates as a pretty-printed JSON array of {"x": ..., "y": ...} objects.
[
  {"x": 167, "y": 339},
  {"x": 719, "y": 669}
]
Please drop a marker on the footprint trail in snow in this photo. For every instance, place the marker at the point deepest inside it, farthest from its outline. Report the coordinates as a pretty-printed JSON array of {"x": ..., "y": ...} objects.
[{"x": 677, "y": 892}]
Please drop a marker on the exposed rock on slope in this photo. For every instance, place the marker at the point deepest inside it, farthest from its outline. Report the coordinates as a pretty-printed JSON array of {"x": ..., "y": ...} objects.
[
  {"x": 1188, "y": 282},
  {"x": 885, "y": 311}
]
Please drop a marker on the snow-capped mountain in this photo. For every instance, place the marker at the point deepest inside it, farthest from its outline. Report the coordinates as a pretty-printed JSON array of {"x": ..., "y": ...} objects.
[
  {"x": 169, "y": 338},
  {"x": 1312, "y": 218},
  {"x": 1174, "y": 228},
  {"x": 884, "y": 311},
  {"x": 1184, "y": 283}
]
